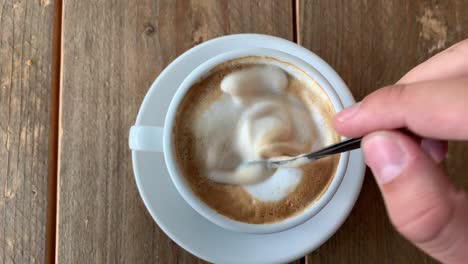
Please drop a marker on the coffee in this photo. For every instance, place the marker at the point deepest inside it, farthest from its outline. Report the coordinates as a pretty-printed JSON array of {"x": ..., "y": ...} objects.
[{"x": 251, "y": 108}]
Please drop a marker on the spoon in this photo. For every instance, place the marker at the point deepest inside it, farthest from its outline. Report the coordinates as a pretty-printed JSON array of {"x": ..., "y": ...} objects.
[{"x": 297, "y": 161}]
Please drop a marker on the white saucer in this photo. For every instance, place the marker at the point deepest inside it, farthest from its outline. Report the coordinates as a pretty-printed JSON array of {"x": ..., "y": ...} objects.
[{"x": 189, "y": 229}]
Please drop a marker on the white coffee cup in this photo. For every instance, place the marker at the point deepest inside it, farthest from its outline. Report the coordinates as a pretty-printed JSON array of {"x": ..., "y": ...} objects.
[{"x": 159, "y": 139}]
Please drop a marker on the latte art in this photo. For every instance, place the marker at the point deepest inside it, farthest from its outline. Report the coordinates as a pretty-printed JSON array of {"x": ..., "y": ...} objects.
[
  {"x": 254, "y": 108},
  {"x": 269, "y": 125}
]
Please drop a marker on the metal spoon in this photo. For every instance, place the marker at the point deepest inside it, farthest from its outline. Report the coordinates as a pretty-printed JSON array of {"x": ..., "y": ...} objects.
[{"x": 347, "y": 145}]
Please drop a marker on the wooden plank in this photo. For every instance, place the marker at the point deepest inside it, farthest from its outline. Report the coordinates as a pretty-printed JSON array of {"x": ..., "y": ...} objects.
[
  {"x": 371, "y": 44},
  {"x": 112, "y": 52},
  {"x": 25, "y": 81}
]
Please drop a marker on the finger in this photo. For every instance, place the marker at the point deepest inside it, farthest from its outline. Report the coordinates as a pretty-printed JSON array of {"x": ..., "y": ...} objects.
[
  {"x": 448, "y": 64},
  {"x": 421, "y": 202},
  {"x": 434, "y": 109},
  {"x": 435, "y": 149}
]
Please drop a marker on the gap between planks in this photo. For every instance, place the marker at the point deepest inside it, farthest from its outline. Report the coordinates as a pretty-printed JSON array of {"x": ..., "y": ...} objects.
[
  {"x": 295, "y": 21},
  {"x": 54, "y": 117}
]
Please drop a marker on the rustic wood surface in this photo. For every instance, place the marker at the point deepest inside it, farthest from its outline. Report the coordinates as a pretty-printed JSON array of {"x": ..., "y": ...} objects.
[
  {"x": 25, "y": 79},
  {"x": 112, "y": 52},
  {"x": 372, "y": 44}
]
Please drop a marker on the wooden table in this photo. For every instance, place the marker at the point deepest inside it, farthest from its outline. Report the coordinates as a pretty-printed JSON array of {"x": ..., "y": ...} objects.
[{"x": 73, "y": 75}]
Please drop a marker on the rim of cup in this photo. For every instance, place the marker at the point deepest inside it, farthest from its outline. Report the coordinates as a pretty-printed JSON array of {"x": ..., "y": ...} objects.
[{"x": 183, "y": 187}]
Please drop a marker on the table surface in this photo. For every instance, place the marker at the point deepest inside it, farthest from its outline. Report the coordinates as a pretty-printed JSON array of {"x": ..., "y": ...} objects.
[{"x": 73, "y": 75}]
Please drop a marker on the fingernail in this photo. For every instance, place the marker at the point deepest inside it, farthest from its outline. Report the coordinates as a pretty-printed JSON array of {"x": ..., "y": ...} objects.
[
  {"x": 385, "y": 157},
  {"x": 348, "y": 113}
]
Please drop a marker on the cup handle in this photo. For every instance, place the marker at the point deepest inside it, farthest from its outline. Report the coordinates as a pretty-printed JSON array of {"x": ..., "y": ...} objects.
[{"x": 146, "y": 138}]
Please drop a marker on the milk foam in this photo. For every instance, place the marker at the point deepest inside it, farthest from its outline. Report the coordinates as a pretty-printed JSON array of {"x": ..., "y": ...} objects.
[
  {"x": 276, "y": 187},
  {"x": 255, "y": 119}
]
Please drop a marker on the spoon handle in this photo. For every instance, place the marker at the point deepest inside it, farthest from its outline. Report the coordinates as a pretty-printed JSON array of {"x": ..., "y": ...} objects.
[{"x": 347, "y": 145}]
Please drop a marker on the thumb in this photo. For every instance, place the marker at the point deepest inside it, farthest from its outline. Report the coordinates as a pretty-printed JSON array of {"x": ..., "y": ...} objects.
[{"x": 423, "y": 205}]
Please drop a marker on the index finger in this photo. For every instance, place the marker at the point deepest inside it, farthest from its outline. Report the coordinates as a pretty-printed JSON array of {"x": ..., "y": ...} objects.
[{"x": 434, "y": 109}]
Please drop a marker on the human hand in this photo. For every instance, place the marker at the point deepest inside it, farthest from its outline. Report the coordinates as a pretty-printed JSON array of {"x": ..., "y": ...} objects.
[{"x": 432, "y": 102}]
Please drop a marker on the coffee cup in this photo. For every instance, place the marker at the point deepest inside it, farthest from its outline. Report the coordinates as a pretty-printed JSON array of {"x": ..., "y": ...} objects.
[{"x": 161, "y": 139}]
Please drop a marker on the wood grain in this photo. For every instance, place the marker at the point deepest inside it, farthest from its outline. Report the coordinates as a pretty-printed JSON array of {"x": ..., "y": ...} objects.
[
  {"x": 371, "y": 44},
  {"x": 25, "y": 79},
  {"x": 112, "y": 52}
]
